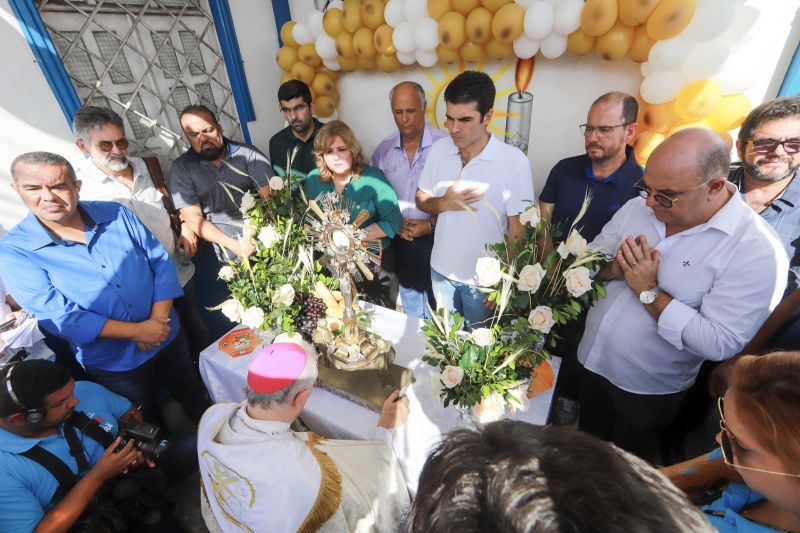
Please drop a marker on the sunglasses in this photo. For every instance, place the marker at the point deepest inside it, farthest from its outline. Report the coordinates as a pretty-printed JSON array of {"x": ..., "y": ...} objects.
[
  {"x": 767, "y": 146},
  {"x": 107, "y": 146},
  {"x": 727, "y": 443},
  {"x": 662, "y": 199}
]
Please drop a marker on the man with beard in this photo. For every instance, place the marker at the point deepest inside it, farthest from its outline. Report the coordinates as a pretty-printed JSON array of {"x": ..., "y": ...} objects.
[
  {"x": 294, "y": 98},
  {"x": 209, "y": 183},
  {"x": 108, "y": 174}
]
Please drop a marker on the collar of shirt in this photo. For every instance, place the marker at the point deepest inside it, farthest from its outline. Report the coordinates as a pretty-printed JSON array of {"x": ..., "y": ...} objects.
[
  {"x": 231, "y": 147},
  {"x": 39, "y": 236},
  {"x": 93, "y": 172},
  {"x": 790, "y": 197},
  {"x": 630, "y": 159},
  {"x": 13, "y": 443},
  {"x": 425, "y": 142},
  {"x": 726, "y": 219},
  {"x": 487, "y": 154}
]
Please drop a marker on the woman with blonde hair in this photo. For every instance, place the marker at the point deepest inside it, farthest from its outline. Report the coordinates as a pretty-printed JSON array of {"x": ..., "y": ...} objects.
[{"x": 341, "y": 169}]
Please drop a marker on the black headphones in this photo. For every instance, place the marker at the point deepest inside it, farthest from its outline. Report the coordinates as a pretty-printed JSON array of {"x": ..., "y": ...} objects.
[{"x": 33, "y": 415}]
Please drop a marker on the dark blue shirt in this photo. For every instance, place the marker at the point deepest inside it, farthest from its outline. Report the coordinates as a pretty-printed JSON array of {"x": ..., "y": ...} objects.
[
  {"x": 74, "y": 288},
  {"x": 568, "y": 183}
]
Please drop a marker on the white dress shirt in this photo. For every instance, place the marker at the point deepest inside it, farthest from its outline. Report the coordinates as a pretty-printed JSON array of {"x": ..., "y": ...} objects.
[
  {"x": 144, "y": 201},
  {"x": 725, "y": 276}
]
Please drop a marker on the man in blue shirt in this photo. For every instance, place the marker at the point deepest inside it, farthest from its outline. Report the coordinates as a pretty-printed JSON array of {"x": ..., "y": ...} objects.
[{"x": 93, "y": 274}]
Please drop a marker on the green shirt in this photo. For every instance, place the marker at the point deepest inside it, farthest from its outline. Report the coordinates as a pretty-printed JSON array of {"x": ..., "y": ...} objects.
[
  {"x": 372, "y": 192},
  {"x": 282, "y": 143}
]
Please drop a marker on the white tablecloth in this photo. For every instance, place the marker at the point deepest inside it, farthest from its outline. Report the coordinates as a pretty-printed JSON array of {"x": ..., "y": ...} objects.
[{"x": 336, "y": 417}]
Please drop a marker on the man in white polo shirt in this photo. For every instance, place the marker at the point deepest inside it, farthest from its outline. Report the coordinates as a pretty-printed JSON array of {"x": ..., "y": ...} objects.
[
  {"x": 695, "y": 273},
  {"x": 477, "y": 186}
]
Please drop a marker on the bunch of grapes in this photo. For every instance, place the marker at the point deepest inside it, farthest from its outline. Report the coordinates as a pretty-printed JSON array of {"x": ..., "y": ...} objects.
[{"x": 313, "y": 310}]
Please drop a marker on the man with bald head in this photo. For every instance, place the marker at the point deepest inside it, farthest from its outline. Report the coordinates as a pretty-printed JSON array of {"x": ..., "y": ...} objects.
[
  {"x": 401, "y": 157},
  {"x": 694, "y": 274}
]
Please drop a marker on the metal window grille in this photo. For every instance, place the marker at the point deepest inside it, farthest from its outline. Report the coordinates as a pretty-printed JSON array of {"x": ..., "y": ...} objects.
[{"x": 123, "y": 54}]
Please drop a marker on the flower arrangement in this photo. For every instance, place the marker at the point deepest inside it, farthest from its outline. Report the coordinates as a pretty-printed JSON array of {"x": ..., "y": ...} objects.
[{"x": 534, "y": 287}]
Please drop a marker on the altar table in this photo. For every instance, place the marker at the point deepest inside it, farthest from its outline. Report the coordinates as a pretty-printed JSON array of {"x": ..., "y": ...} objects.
[{"x": 335, "y": 417}]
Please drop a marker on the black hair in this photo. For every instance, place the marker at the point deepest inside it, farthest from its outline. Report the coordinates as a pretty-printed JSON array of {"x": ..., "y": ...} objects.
[
  {"x": 471, "y": 86},
  {"x": 292, "y": 89},
  {"x": 44, "y": 159},
  {"x": 31, "y": 380},
  {"x": 194, "y": 109},
  {"x": 767, "y": 112}
]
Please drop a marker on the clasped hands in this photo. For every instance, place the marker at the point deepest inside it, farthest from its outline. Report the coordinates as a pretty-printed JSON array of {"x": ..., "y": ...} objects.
[
  {"x": 637, "y": 263},
  {"x": 152, "y": 332},
  {"x": 414, "y": 228}
]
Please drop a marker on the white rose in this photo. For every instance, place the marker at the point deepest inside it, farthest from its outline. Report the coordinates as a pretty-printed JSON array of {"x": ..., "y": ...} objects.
[
  {"x": 562, "y": 250},
  {"x": 268, "y": 236},
  {"x": 248, "y": 202},
  {"x": 578, "y": 280},
  {"x": 436, "y": 383},
  {"x": 452, "y": 376},
  {"x": 530, "y": 217},
  {"x": 490, "y": 409},
  {"x": 226, "y": 273},
  {"x": 284, "y": 295},
  {"x": 541, "y": 319},
  {"x": 530, "y": 277},
  {"x": 248, "y": 230},
  {"x": 232, "y": 309},
  {"x": 253, "y": 317},
  {"x": 519, "y": 398},
  {"x": 483, "y": 337},
  {"x": 487, "y": 271},
  {"x": 576, "y": 244},
  {"x": 275, "y": 183}
]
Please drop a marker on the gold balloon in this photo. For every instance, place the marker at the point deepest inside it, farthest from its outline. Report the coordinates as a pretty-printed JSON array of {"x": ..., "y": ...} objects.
[
  {"x": 579, "y": 43},
  {"x": 363, "y": 43},
  {"x": 670, "y": 18},
  {"x": 286, "y": 34},
  {"x": 472, "y": 53},
  {"x": 729, "y": 113},
  {"x": 494, "y": 5},
  {"x": 437, "y": 8},
  {"x": 348, "y": 63},
  {"x": 323, "y": 84},
  {"x": 383, "y": 40},
  {"x": 308, "y": 55},
  {"x": 615, "y": 43},
  {"x": 447, "y": 55},
  {"x": 507, "y": 23},
  {"x": 697, "y": 99},
  {"x": 635, "y": 12},
  {"x": 641, "y": 45},
  {"x": 598, "y": 16},
  {"x": 372, "y": 13},
  {"x": 659, "y": 117},
  {"x": 344, "y": 45},
  {"x": 479, "y": 25},
  {"x": 286, "y": 57},
  {"x": 387, "y": 63},
  {"x": 646, "y": 141},
  {"x": 324, "y": 107},
  {"x": 301, "y": 71},
  {"x": 465, "y": 6},
  {"x": 497, "y": 50},
  {"x": 286, "y": 76},
  {"x": 367, "y": 62},
  {"x": 352, "y": 15},
  {"x": 333, "y": 22},
  {"x": 451, "y": 30}
]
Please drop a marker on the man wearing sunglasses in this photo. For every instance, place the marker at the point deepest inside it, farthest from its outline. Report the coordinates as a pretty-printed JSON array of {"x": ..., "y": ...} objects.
[
  {"x": 297, "y": 108},
  {"x": 694, "y": 274}
]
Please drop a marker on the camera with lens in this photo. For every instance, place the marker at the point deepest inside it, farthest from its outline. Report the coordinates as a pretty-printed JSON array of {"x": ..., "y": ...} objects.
[{"x": 145, "y": 438}]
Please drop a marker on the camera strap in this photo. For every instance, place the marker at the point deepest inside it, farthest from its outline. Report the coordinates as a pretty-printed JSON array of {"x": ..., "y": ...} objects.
[{"x": 57, "y": 468}]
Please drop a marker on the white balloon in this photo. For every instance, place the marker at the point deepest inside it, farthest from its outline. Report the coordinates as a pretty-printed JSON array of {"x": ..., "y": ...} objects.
[
  {"x": 524, "y": 3},
  {"x": 393, "y": 13},
  {"x": 525, "y": 47},
  {"x": 325, "y": 46},
  {"x": 732, "y": 78},
  {"x": 415, "y": 10},
  {"x": 406, "y": 59},
  {"x": 426, "y": 58},
  {"x": 669, "y": 54},
  {"x": 331, "y": 64},
  {"x": 553, "y": 46},
  {"x": 661, "y": 87},
  {"x": 335, "y": 4},
  {"x": 403, "y": 38},
  {"x": 425, "y": 34},
  {"x": 568, "y": 16},
  {"x": 539, "y": 20},
  {"x": 744, "y": 25},
  {"x": 705, "y": 61},
  {"x": 646, "y": 69},
  {"x": 711, "y": 18},
  {"x": 315, "y": 24},
  {"x": 301, "y": 34}
]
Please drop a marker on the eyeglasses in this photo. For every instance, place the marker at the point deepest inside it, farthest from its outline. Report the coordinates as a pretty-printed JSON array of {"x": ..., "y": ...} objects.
[
  {"x": 766, "y": 146},
  {"x": 107, "y": 146},
  {"x": 727, "y": 442},
  {"x": 601, "y": 131},
  {"x": 662, "y": 199},
  {"x": 299, "y": 108}
]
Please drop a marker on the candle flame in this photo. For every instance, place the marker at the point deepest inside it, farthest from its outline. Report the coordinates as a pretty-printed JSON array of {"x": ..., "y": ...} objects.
[{"x": 523, "y": 74}]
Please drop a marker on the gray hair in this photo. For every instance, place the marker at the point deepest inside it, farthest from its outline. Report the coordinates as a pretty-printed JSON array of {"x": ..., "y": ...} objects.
[
  {"x": 714, "y": 162},
  {"x": 777, "y": 109},
  {"x": 92, "y": 117},
  {"x": 417, "y": 87},
  {"x": 305, "y": 380},
  {"x": 43, "y": 159}
]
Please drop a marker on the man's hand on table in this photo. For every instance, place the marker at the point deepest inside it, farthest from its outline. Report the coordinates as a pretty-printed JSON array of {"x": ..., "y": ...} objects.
[{"x": 394, "y": 412}]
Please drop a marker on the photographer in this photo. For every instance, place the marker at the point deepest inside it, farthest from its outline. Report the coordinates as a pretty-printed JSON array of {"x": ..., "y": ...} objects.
[{"x": 60, "y": 452}]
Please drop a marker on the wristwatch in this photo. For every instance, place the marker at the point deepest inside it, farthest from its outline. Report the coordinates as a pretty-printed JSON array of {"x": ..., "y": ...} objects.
[{"x": 649, "y": 296}]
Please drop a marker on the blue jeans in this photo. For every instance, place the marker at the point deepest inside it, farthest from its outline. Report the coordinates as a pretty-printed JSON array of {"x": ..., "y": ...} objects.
[
  {"x": 414, "y": 274},
  {"x": 463, "y": 298}
]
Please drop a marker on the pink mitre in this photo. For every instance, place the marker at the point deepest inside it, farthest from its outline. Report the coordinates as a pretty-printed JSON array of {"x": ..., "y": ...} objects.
[{"x": 276, "y": 367}]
